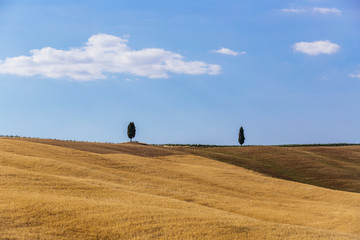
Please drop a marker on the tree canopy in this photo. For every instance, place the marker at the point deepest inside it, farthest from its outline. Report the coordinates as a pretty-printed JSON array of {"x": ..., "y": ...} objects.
[
  {"x": 131, "y": 131},
  {"x": 241, "y": 136}
]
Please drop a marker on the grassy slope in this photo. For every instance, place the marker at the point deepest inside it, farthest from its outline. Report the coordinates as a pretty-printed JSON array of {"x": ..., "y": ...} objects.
[
  {"x": 50, "y": 191},
  {"x": 336, "y": 167}
]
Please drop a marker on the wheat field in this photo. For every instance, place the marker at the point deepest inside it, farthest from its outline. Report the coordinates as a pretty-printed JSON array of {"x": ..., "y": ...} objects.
[{"x": 72, "y": 190}]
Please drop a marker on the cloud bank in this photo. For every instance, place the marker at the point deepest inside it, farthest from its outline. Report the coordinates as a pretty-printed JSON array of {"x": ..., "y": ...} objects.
[
  {"x": 103, "y": 54},
  {"x": 317, "y": 47},
  {"x": 227, "y": 51}
]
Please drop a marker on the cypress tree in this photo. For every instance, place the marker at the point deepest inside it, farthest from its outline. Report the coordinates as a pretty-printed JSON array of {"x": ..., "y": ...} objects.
[
  {"x": 131, "y": 131},
  {"x": 241, "y": 136}
]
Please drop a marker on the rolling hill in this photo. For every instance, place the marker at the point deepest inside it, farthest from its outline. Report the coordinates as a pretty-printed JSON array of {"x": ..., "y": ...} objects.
[
  {"x": 52, "y": 189},
  {"x": 334, "y": 167}
]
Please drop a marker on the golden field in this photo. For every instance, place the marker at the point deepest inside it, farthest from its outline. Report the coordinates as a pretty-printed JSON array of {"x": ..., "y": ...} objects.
[
  {"x": 334, "y": 167},
  {"x": 76, "y": 190}
]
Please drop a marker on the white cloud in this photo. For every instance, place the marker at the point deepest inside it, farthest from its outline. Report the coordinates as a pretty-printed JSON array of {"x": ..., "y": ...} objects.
[
  {"x": 326, "y": 10},
  {"x": 227, "y": 51},
  {"x": 317, "y": 47},
  {"x": 103, "y": 54},
  {"x": 315, "y": 10},
  {"x": 292, "y": 10},
  {"x": 355, "y": 75}
]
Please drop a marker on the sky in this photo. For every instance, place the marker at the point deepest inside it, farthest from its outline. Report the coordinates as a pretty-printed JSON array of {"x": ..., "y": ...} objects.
[{"x": 186, "y": 72}]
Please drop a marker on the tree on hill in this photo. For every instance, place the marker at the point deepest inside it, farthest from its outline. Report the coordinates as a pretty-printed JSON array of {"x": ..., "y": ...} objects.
[
  {"x": 241, "y": 136},
  {"x": 131, "y": 131}
]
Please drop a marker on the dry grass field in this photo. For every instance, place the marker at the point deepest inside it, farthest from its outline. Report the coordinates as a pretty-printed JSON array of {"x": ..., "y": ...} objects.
[
  {"x": 75, "y": 190},
  {"x": 325, "y": 166}
]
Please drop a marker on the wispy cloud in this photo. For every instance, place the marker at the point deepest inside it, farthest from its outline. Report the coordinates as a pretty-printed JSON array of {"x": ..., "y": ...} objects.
[
  {"x": 293, "y": 10},
  {"x": 227, "y": 51},
  {"x": 103, "y": 54},
  {"x": 314, "y": 10},
  {"x": 316, "y": 47},
  {"x": 326, "y": 10},
  {"x": 355, "y": 75}
]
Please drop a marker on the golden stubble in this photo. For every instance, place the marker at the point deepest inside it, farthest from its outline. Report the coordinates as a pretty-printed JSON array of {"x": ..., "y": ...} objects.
[{"x": 55, "y": 192}]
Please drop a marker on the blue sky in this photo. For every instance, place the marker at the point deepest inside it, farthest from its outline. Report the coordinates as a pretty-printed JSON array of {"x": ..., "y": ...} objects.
[{"x": 183, "y": 71}]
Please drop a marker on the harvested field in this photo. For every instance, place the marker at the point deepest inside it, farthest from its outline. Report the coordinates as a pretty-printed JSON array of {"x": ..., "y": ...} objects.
[{"x": 53, "y": 189}]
